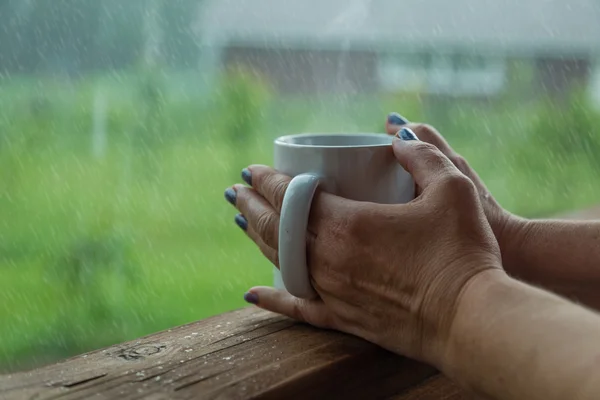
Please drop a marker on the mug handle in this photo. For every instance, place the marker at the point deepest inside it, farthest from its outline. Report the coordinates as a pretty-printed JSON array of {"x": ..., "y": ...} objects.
[{"x": 293, "y": 224}]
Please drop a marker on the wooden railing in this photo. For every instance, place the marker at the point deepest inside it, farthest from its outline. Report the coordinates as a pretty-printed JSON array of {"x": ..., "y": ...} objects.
[{"x": 245, "y": 354}]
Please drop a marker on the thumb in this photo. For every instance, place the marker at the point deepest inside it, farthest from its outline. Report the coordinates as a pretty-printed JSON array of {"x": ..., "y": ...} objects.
[
  {"x": 312, "y": 312},
  {"x": 425, "y": 162}
]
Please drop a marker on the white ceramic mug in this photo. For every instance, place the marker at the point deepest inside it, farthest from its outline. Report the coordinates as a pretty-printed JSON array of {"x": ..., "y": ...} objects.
[{"x": 359, "y": 167}]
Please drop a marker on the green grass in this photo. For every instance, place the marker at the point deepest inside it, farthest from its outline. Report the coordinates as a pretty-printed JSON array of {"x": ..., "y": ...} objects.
[
  {"x": 98, "y": 251},
  {"x": 189, "y": 259}
]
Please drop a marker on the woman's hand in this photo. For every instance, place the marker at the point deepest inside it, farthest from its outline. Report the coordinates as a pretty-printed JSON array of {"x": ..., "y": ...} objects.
[
  {"x": 562, "y": 256},
  {"x": 391, "y": 274},
  {"x": 507, "y": 227}
]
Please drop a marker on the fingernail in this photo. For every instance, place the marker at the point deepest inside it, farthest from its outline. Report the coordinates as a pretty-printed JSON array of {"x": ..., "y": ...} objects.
[
  {"x": 241, "y": 221},
  {"x": 247, "y": 176},
  {"x": 406, "y": 134},
  {"x": 251, "y": 298},
  {"x": 230, "y": 196},
  {"x": 397, "y": 119}
]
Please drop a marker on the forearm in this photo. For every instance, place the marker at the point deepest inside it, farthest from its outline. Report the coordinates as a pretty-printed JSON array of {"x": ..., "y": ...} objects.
[
  {"x": 513, "y": 341},
  {"x": 562, "y": 256}
]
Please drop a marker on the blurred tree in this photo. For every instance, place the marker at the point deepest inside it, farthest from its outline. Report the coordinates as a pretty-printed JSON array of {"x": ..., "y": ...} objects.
[{"x": 244, "y": 98}]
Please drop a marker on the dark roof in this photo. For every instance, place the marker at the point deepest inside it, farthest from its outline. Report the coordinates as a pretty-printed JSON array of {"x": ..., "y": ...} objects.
[{"x": 495, "y": 25}]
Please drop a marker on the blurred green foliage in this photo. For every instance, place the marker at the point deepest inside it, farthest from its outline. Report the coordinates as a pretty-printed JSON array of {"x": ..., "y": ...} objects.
[
  {"x": 568, "y": 129},
  {"x": 559, "y": 155},
  {"x": 242, "y": 99},
  {"x": 93, "y": 252}
]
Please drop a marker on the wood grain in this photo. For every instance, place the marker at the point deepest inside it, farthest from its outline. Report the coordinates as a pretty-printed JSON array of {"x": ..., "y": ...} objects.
[
  {"x": 437, "y": 387},
  {"x": 246, "y": 354}
]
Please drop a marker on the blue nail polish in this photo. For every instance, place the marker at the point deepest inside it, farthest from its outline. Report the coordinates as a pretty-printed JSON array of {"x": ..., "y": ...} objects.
[
  {"x": 247, "y": 176},
  {"x": 396, "y": 119},
  {"x": 230, "y": 196},
  {"x": 251, "y": 298},
  {"x": 407, "y": 134},
  {"x": 241, "y": 221}
]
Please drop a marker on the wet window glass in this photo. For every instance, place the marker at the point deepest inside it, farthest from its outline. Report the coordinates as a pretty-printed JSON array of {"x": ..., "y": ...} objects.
[{"x": 123, "y": 122}]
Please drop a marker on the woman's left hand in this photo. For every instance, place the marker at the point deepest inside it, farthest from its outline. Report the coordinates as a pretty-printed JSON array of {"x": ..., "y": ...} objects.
[
  {"x": 508, "y": 228},
  {"x": 391, "y": 274}
]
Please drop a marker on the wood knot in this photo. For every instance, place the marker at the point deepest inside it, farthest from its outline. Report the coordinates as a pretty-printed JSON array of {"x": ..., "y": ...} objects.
[{"x": 140, "y": 352}]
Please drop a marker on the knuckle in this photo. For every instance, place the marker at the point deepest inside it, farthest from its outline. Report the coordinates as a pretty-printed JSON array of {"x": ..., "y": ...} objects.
[
  {"x": 459, "y": 162},
  {"x": 423, "y": 128},
  {"x": 276, "y": 189},
  {"x": 429, "y": 134},
  {"x": 425, "y": 132},
  {"x": 460, "y": 187},
  {"x": 266, "y": 226},
  {"x": 434, "y": 158},
  {"x": 427, "y": 148}
]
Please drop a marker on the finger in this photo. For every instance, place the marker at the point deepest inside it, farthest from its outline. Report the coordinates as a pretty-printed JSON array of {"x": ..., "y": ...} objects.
[
  {"x": 313, "y": 312},
  {"x": 269, "y": 252},
  {"x": 429, "y": 134},
  {"x": 425, "y": 162},
  {"x": 262, "y": 219},
  {"x": 394, "y": 122},
  {"x": 425, "y": 133},
  {"x": 268, "y": 182},
  {"x": 264, "y": 229},
  {"x": 272, "y": 185}
]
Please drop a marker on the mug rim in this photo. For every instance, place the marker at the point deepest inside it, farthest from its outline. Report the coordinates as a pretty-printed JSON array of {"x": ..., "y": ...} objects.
[{"x": 281, "y": 140}]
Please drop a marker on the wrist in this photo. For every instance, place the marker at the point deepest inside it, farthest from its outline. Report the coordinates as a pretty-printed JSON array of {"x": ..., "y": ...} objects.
[
  {"x": 513, "y": 236},
  {"x": 479, "y": 300}
]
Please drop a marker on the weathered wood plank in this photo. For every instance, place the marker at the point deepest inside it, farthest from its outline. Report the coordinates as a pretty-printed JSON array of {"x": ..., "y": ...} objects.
[
  {"x": 245, "y": 354},
  {"x": 437, "y": 387}
]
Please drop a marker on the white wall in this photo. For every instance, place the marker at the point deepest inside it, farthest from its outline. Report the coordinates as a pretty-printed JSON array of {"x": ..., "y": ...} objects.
[
  {"x": 594, "y": 90},
  {"x": 441, "y": 74}
]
